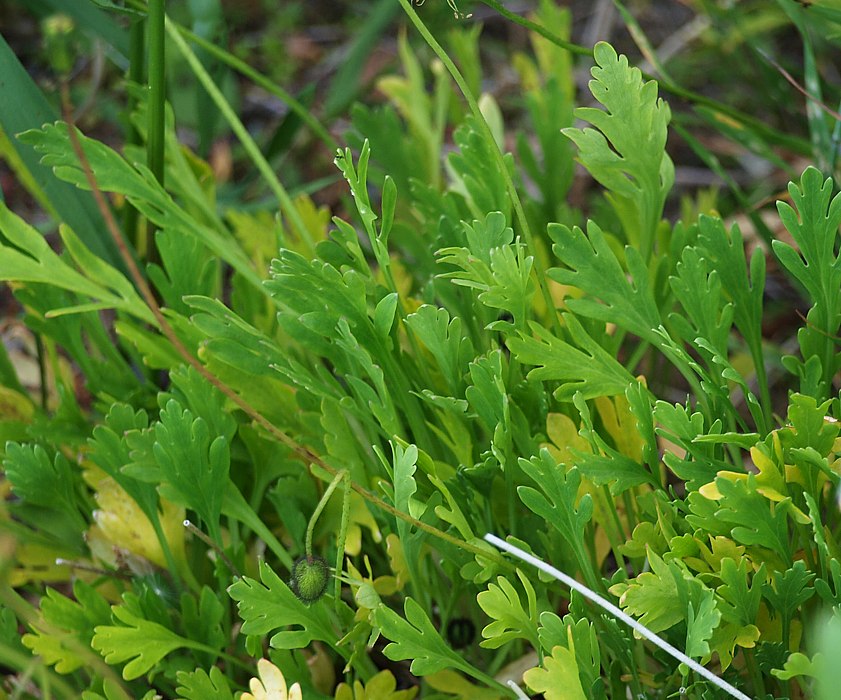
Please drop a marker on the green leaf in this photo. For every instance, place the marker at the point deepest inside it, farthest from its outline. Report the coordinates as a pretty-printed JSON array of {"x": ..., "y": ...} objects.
[
  {"x": 558, "y": 678},
  {"x": 23, "y": 106},
  {"x": 110, "y": 451},
  {"x": 140, "y": 187},
  {"x": 699, "y": 291},
  {"x": 384, "y": 314},
  {"x": 817, "y": 266},
  {"x": 560, "y": 505},
  {"x": 194, "y": 467},
  {"x": 140, "y": 642},
  {"x": 789, "y": 590},
  {"x": 799, "y": 664},
  {"x": 48, "y": 483},
  {"x": 497, "y": 268},
  {"x": 742, "y": 285},
  {"x": 664, "y": 596},
  {"x": 203, "y": 622},
  {"x": 198, "y": 685},
  {"x": 611, "y": 296},
  {"x": 590, "y": 371},
  {"x": 747, "y": 516},
  {"x": 32, "y": 260},
  {"x": 809, "y": 425},
  {"x": 443, "y": 337},
  {"x": 502, "y": 603},
  {"x": 478, "y": 177},
  {"x": 69, "y": 627},
  {"x": 626, "y": 152},
  {"x": 416, "y": 638},
  {"x": 743, "y": 598},
  {"x": 272, "y": 605},
  {"x": 700, "y": 625},
  {"x": 487, "y": 394}
]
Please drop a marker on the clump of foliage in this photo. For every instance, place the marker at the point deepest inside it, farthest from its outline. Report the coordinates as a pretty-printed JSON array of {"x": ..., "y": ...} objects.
[{"x": 468, "y": 355}]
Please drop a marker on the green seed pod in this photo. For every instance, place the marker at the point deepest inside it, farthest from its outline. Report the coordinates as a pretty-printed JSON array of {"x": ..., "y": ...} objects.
[{"x": 310, "y": 576}]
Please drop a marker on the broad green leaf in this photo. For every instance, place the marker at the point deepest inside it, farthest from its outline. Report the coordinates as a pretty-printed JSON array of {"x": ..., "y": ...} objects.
[
  {"x": 271, "y": 605},
  {"x": 140, "y": 642},
  {"x": 558, "y": 678},
  {"x": 501, "y": 602},
  {"x": 626, "y": 151},
  {"x": 198, "y": 685}
]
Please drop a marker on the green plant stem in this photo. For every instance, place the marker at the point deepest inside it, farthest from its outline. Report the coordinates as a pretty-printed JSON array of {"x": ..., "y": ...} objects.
[
  {"x": 253, "y": 150},
  {"x": 538, "y": 29},
  {"x": 754, "y": 672},
  {"x": 339, "y": 477},
  {"x": 268, "y": 85},
  {"x": 340, "y": 541},
  {"x": 136, "y": 72},
  {"x": 157, "y": 90},
  {"x": 44, "y": 391},
  {"x": 540, "y": 265}
]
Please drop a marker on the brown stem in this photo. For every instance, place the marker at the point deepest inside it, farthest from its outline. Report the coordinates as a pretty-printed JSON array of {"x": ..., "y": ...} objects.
[{"x": 302, "y": 451}]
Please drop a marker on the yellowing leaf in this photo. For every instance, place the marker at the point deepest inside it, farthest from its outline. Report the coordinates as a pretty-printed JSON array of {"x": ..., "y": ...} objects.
[
  {"x": 563, "y": 433},
  {"x": 558, "y": 678},
  {"x": 15, "y": 406},
  {"x": 621, "y": 425},
  {"x": 124, "y": 524},
  {"x": 271, "y": 685},
  {"x": 456, "y": 685},
  {"x": 383, "y": 686}
]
